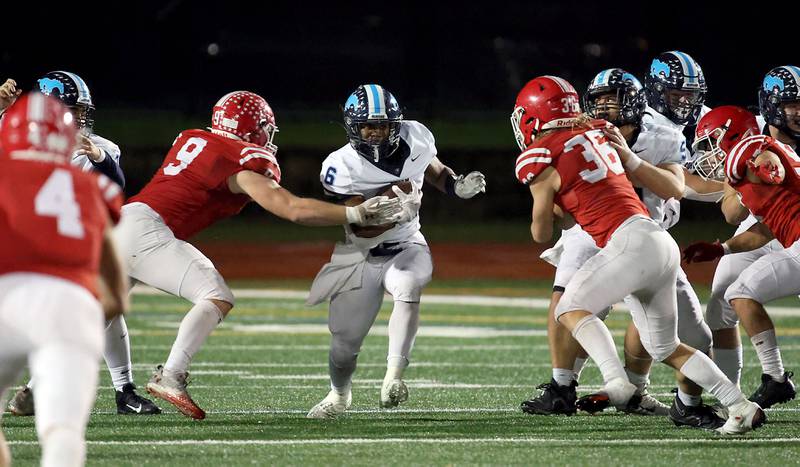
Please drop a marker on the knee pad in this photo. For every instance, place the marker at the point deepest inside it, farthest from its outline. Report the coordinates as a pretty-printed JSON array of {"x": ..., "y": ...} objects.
[
  {"x": 720, "y": 314},
  {"x": 662, "y": 350},
  {"x": 407, "y": 286},
  {"x": 697, "y": 335},
  {"x": 202, "y": 281}
]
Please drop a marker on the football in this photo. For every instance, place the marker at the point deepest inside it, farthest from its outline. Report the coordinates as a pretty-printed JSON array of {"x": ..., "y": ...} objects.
[{"x": 372, "y": 231}]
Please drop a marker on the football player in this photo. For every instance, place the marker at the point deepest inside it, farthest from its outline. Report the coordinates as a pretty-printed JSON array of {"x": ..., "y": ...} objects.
[
  {"x": 763, "y": 172},
  {"x": 576, "y": 171},
  {"x": 93, "y": 153},
  {"x": 383, "y": 149},
  {"x": 50, "y": 316},
  {"x": 207, "y": 176}
]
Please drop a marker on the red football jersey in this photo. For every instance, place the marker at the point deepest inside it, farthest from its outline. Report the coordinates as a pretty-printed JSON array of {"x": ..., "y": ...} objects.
[
  {"x": 190, "y": 190},
  {"x": 776, "y": 206},
  {"x": 52, "y": 219},
  {"x": 594, "y": 187}
]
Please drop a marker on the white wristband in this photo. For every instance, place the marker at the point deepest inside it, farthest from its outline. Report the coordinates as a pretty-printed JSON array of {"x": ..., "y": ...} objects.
[
  {"x": 726, "y": 250},
  {"x": 633, "y": 162},
  {"x": 353, "y": 214}
]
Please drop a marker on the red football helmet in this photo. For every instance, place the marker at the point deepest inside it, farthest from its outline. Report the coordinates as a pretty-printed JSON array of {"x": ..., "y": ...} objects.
[
  {"x": 247, "y": 116},
  {"x": 544, "y": 103},
  {"x": 38, "y": 127},
  {"x": 716, "y": 134}
]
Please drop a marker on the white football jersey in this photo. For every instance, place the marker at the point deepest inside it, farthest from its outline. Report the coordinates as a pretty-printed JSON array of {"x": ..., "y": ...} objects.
[
  {"x": 109, "y": 148},
  {"x": 658, "y": 144},
  {"x": 346, "y": 173}
]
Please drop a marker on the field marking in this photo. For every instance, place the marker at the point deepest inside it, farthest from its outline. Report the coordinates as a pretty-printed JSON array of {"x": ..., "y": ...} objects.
[
  {"x": 464, "y": 300},
  {"x": 368, "y": 348},
  {"x": 493, "y": 440}
]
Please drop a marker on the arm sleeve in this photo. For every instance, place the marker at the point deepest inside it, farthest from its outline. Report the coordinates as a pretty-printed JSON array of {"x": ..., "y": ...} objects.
[{"x": 110, "y": 168}]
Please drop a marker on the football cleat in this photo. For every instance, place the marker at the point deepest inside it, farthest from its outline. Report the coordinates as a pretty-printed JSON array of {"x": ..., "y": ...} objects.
[
  {"x": 172, "y": 388},
  {"x": 130, "y": 403},
  {"x": 618, "y": 392},
  {"x": 393, "y": 393},
  {"x": 645, "y": 405},
  {"x": 21, "y": 404},
  {"x": 772, "y": 392},
  {"x": 552, "y": 400},
  {"x": 744, "y": 416},
  {"x": 332, "y": 406},
  {"x": 702, "y": 416}
]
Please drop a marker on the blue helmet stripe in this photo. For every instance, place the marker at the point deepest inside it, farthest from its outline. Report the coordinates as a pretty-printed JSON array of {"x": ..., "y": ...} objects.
[
  {"x": 602, "y": 78},
  {"x": 374, "y": 100},
  {"x": 83, "y": 90},
  {"x": 688, "y": 67},
  {"x": 795, "y": 72}
]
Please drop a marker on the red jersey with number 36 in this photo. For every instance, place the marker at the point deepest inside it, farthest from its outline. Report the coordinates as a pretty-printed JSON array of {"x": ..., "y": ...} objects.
[
  {"x": 594, "y": 187},
  {"x": 52, "y": 219},
  {"x": 776, "y": 206},
  {"x": 190, "y": 190}
]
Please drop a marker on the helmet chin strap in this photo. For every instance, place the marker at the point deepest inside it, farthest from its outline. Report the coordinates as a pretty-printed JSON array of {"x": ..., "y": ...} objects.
[{"x": 375, "y": 153}]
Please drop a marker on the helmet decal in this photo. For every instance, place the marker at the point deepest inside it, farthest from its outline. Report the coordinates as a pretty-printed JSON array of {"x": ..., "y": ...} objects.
[
  {"x": 659, "y": 67},
  {"x": 47, "y": 86}
]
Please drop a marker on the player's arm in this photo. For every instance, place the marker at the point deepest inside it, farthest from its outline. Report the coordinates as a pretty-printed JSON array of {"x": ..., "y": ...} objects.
[
  {"x": 753, "y": 238},
  {"x": 281, "y": 202},
  {"x": 699, "y": 189},
  {"x": 543, "y": 189},
  {"x": 113, "y": 279},
  {"x": 766, "y": 168},
  {"x": 732, "y": 208},
  {"x": 8, "y": 94},
  {"x": 446, "y": 180}
]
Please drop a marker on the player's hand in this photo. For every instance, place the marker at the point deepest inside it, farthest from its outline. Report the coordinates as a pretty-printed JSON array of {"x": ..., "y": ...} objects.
[
  {"x": 8, "y": 94},
  {"x": 409, "y": 203},
  {"x": 672, "y": 213},
  {"x": 88, "y": 148},
  {"x": 703, "y": 251},
  {"x": 768, "y": 172},
  {"x": 379, "y": 210},
  {"x": 617, "y": 141},
  {"x": 470, "y": 185}
]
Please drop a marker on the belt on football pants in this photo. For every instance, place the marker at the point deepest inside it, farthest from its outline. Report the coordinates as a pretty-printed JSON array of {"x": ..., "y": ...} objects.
[{"x": 386, "y": 249}]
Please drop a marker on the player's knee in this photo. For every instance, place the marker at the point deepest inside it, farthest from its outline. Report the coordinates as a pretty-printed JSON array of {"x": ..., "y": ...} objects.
[
  {"x": 344, "y": 350},
  {"x": 223, "y": 306},
  {"x": 720, "y": 315},
  {"x": 407, "y": 287},
  {"x": 698, "y": 335},
  {"x": 660, "y": 351}
]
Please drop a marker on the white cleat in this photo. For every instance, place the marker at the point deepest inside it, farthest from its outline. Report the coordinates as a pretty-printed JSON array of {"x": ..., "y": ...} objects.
[
  {"x": 647, "y": 405},
  {"x": 617, "y": 392},
  {"x": 332, "y": 406},
  {"x": 172, "y": 388},
  {"x": 393, "y": 393},
  {"x": 743, "y": 417}
]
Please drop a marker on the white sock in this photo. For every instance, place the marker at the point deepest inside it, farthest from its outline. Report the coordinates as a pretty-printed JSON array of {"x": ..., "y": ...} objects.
[
  {"x": 766, "y": 345},
  {"x": 30, "y": 384},
  {"x": 395, "y": 368},
  {"x": 700, "y": 369},
  {"x": 638, "y": 380},
  {"x": 563, "y": 377},
  {"x": 117, "y": 352},
  {"x": 403, "y": 325},
  {"x": 63, "y": 446},
  {"x": 596, "y": 340},
  {"x": 730, "y": 362},
  {"x": 195, "y": 328},
  {"x": 578, "y": 367},
  {"x": 689, "y": 400}
]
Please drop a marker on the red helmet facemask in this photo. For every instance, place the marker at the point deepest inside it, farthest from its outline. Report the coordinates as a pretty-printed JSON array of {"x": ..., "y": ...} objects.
[
  {"x": 247, "y": 116},
  {"x": 545, "y": 103},
  {"x": 38, "y": 127},
  {"x": 716, "y": 134}
]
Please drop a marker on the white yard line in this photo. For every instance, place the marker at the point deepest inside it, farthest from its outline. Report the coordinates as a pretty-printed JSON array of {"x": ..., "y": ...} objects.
[{"x": 466, "y": 300}]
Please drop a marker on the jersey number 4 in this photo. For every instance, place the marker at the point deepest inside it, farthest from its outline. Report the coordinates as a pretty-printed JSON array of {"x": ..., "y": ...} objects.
[
  {"x": 596, "y": 150},
  {"x": 188, "y": 152},
  {"x": 56, "y": 199}
]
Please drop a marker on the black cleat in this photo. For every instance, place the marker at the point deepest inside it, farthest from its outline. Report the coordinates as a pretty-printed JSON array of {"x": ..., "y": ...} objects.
[
  {"x": 130, "y": 403},
  {"x": 702, "y": 416},
  {"x": 553, "y": 400},
  {"x": 772, "y": 392}
]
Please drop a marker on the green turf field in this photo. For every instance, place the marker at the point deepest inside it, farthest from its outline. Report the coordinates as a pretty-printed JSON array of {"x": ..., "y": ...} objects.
[{"x": 267, "y": 365}]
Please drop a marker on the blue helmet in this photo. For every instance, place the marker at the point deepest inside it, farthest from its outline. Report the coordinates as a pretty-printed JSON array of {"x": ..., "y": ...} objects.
[
  {"x": 631, "y": 102},
  {"x": 676, "y": 71},
  {"x": 70, "y": 89},
  {"x": 781, "y": 85},
  {"x": 372, "y": 104}
]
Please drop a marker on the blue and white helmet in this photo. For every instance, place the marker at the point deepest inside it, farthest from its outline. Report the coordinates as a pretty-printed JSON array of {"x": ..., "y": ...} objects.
[
  {"x": 372, "y": 104},
  {"x": 780, "y": 86},
  {"x": 70, "y": 89},
  {"x": 631, "y": 102},
  {"x": 676, "y": 71}
]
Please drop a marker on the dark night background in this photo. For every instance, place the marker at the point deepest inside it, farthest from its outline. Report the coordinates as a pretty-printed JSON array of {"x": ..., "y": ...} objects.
[{"x": 157, "y": 67}]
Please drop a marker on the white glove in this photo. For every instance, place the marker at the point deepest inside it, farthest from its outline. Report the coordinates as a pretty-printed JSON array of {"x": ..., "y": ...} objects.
[
  {"x": 470, "y": 185},
  {"x": 374, "y": 211},
  {"x": 409, "y": 203},
  {"x": 672, "y": 213}
]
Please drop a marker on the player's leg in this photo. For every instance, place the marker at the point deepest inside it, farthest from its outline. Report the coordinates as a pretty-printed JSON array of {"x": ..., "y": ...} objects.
[
  {"x": 404, "y": 277},
  {"x": 350, "y": 316},
  {"x": 770, "y": 277},
  {"x": 117, "y": 355},
  {"x": 13, "y": 351},
  {"x": 637, "y": 367}
]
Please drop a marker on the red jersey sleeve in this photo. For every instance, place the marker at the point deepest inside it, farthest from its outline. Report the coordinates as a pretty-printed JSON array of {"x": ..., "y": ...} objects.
[
  {"x": 532, "y": 162},
  {"x": 258, "y": 159},
  {"x": 112, "y": 196}
]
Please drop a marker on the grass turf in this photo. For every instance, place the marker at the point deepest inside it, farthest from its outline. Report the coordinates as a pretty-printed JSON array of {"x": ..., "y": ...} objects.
[{"x": 257, "y": 384}]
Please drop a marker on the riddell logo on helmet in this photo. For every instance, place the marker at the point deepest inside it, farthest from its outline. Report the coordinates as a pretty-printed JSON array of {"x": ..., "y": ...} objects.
[{"x": 219, "y": 119}]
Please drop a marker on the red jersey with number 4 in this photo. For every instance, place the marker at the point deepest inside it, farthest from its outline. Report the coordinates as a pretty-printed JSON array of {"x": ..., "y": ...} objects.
[
  {"x": 52, "y": 219},
  {"x": 776, "y": 206},
  {"x": 594, "y": 187},
  {"x": 190, "y": 190}
]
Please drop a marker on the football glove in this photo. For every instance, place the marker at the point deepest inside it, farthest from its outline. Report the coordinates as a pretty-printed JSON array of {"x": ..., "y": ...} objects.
[{"x": 470, "y": 185}]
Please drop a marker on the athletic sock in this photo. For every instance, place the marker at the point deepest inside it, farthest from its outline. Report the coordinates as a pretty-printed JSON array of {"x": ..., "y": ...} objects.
[
  {"x": 766, "y": 345},
  {"x": 195, "y": 328},
  {"x": 595, "y": 338},
  {"x": 730, "y": 362},
  {"x": 700, "y": 369},
  {"x": 563, "y": 377},
  {"x": 580, "y": 363},
  {"x": 117, "y": 352},
  {"x": 689, "y": 400},
  {"x": 638, "y": 380}
]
